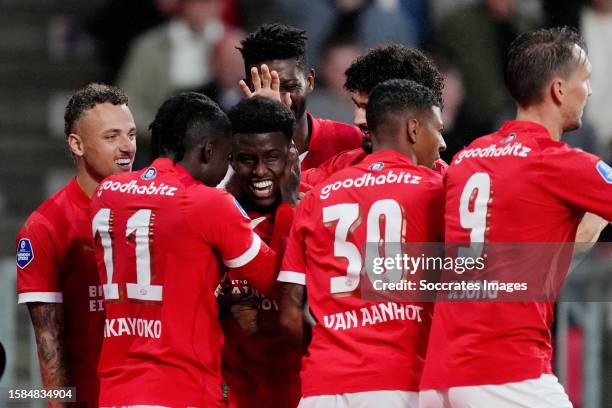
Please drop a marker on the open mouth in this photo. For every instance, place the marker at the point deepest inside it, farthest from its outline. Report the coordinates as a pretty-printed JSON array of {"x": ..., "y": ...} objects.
[
  {"x": 262, "y": 189},
  {"x": 124, "y": 163}
]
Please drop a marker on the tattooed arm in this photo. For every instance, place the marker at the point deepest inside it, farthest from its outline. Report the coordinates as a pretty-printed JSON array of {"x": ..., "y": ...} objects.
[
  {"x": 292, "y": 299},
  {"x": 48, "y": 321}
]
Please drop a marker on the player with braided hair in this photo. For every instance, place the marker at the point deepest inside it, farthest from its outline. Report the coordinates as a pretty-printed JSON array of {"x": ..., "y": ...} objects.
[{"x": 159, "y": 236}]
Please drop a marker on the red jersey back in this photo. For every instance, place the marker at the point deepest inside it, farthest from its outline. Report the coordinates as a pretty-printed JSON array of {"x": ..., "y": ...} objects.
[
  {"x": 159, "y": 237},
  {"x": 515, "y": 185},
  {"x": 327, "y": 139},
  {"x": 357, "y": 344},
  {"x": 56, "y": 264}
]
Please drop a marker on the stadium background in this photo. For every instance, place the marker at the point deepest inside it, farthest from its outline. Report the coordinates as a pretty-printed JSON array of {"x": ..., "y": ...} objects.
[{"x": 49, "y": 48}]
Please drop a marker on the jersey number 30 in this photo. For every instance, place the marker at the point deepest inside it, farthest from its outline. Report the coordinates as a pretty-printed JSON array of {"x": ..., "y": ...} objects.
[{"x": 347, "y": 218}]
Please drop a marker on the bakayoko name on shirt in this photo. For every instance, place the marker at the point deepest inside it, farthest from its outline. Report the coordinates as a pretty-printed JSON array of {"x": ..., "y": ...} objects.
[{"x": 131, "y": 326}]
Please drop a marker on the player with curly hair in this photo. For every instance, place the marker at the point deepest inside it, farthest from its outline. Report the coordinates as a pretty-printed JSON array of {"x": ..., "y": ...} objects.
[{"x": 379, "y": 64}]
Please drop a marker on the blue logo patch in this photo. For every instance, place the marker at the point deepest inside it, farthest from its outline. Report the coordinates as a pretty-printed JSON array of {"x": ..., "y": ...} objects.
[
  {"x": 605, "y": 171},
  {"x": 149, "y": 173},
  {"x": 378, "y": 166},
  {"x": 244, "y": 213},
  {"x": 509, "y": 138},
  {"x": 25, "y": 254}
]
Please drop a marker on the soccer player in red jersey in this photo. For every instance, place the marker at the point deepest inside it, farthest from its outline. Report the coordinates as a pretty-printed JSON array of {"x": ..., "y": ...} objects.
[
  {"x": 519, "y": 184},
  {"x": 56, "y": 267},
  {"x": 377, "y": 65},
  {"x": 283, "y": 49},
  {"x": 260, "y": 365},
  {"x": 367, "y": 353},
  {"x": 159, "y": 235}
]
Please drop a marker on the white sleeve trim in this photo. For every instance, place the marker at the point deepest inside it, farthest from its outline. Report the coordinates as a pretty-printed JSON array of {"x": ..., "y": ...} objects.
[
  {"x": 247, "y": 256},
  {"x": 46, "y": 297},
  {"x": 292, "y": 277}
]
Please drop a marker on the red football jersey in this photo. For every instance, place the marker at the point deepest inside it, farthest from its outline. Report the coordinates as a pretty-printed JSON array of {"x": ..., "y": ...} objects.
[
  {"x": 327, "y": 139},
  {"x": 159, "y": 237},
  {"x": 360, "y": 345},
  {"x": 514, "y": 185},
  {"x": 262, "y": 369},
  {"x": 56, "y": 264},
  {"x": 313, "y": 176}
]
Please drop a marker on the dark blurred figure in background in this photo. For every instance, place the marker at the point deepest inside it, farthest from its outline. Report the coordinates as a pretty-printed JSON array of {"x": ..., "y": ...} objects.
[
  {"x": 228, "y": 69},
  {"x": 115, "y": 24},
  {"x": 456, "y": 132},
  {"x": 596, "y": 27},
  {"x": 372, "y": 22},
  {"x": 170, "y": 58},
  {"x": 330, "y": 99},
  {"x": 475, "y": 38}
]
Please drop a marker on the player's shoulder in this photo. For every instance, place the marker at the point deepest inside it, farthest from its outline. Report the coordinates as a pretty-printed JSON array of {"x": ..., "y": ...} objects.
[
  {"x": 338, "y": 127},
  {"x": 346, "y": 136},
  {"x": 214, "y": 202},
  {"x": 53, "y": 210}
]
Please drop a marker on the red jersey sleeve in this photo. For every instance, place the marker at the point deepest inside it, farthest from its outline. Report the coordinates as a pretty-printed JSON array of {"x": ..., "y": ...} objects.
[
  {"x": 38, "y": 275},
  {"x": 283, "y": 219},
  {"x": 578, "y": 178},
  {"x": 225, "y": 226},
  {"x": 293, "y": 267}
]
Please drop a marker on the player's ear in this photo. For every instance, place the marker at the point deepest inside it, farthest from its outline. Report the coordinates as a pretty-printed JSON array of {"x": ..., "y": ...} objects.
[
  {"x": 557, "y": 90},
  {"x": 75, "y": 145},
  {"x": 412, "y": 128},
  {"x": 310, "y": 80},
  {"x": 206, "y": 151}
]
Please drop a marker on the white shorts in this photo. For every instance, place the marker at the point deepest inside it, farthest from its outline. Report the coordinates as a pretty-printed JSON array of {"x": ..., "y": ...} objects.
[
  {"x": 543, "y": 392},
  {"x": 366, "y": 399}
]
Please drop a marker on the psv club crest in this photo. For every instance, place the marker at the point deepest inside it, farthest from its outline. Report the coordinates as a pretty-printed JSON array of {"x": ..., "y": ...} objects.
[
  {"x": 149, "y": 174},
  {"x": 378, "y": 166}
]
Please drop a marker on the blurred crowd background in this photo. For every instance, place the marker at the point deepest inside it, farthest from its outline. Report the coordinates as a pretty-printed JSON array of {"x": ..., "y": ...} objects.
[{"x": 154, "y": 48}]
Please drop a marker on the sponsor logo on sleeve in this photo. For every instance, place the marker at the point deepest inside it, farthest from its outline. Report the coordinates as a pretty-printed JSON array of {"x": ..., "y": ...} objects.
[
  {"x": 25, "y": 253},
  {"x": 149, "y": 174},
  {"x": 604, "y": 171}
]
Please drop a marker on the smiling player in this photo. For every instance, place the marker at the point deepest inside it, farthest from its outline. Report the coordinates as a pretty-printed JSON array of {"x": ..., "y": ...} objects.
[
  {"x": 261, "y": 366},
  {"x": 56, "y": 267}
]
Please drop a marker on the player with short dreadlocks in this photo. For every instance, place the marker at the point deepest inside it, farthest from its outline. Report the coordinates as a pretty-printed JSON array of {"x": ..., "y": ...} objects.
[
  {"x": 159, "y": 236},
  {"x": 282, "y": 49}
]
